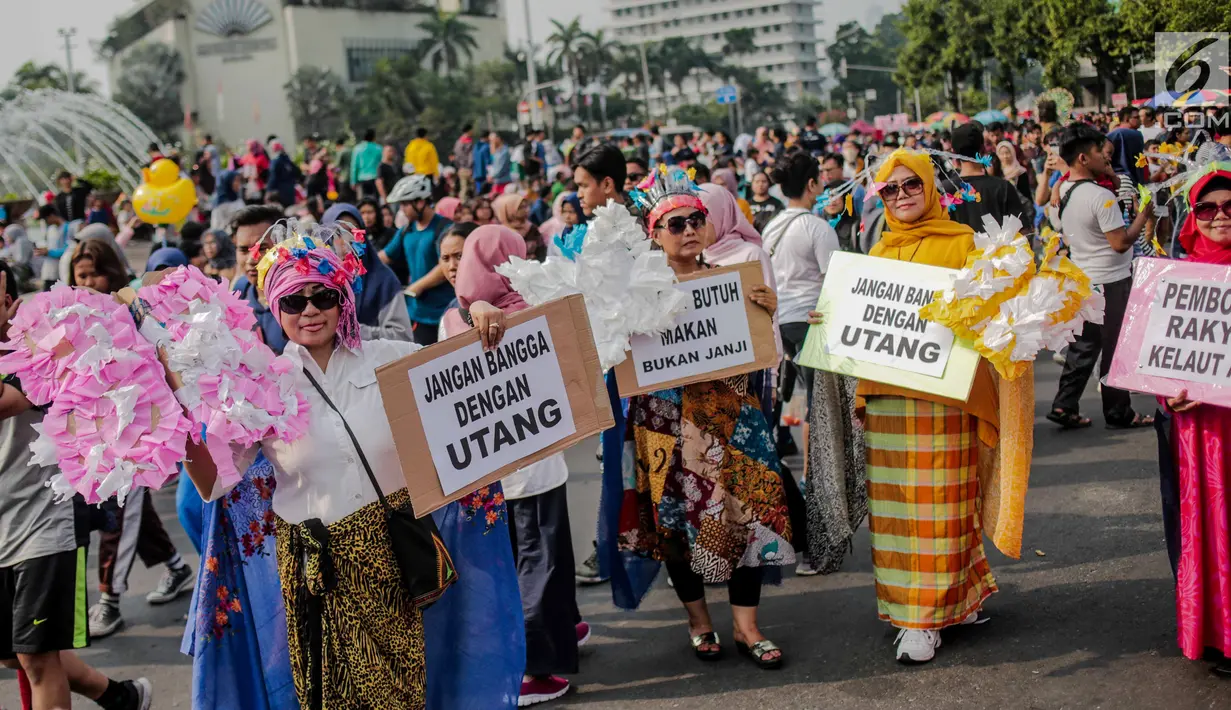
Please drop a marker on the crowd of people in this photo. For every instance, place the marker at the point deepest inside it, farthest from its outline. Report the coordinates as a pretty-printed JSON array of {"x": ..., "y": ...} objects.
[{"x": 298, "y": 600}]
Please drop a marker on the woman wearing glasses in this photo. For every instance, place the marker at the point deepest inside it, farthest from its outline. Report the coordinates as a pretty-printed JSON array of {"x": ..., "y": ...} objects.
[
  {"x": 922, "y": 449},
  {"x": 1199, "y": 438},
  {"x": 354, "y": 635},
  {"x": 703, "y": 492}
]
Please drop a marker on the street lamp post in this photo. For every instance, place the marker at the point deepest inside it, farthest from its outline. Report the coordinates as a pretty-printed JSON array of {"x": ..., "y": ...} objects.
[
  {"x": 531, "y": 72},
  {"x": 67, "y": 35}
]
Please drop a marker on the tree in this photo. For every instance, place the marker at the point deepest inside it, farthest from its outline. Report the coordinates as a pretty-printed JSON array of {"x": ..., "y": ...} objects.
[
  {"x": 450, "y": 39},
  {"x": 151, "y": 76},
  {"x": 679, "y": 57},
  {"x": 945, "y": 42},
  {"x": 567, "y": 44},
  {"x": 31, "y": 76},
  {"x": 879, "y": 48},
  {"x": 390, "y": 100},
  {"x": 318, "y": 101},
  {"x": 740, "y": 41},
  {"x": 1015, "y": 26},
  {"x": 1088, "y": 29}
]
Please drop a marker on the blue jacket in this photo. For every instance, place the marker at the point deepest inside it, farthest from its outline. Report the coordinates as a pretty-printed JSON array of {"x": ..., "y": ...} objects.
[
  {"x": 271, "y": 330},
  {"x": 283, "y": 175},
  {"x": 482, "y": 160}
]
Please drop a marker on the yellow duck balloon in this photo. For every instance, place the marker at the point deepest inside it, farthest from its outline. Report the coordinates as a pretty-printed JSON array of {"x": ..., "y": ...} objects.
[{"x": 164, "y": 197}]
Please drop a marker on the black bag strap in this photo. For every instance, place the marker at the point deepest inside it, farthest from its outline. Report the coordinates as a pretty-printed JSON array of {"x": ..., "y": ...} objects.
[
  {"x": 1064, "y": 201},
  {"x": 359, "y": 449}
]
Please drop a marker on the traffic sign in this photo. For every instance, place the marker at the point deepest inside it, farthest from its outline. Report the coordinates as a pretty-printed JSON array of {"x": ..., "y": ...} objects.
[{"x": 726, "y": 94}]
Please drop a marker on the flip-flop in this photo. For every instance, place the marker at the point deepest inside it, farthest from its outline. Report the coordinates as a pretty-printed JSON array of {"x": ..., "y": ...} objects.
[
  {"x": 757, "y": 653},
  {"x": 709, "y": 638},
  {"x": 1068, "y": 420},
  {"x": 1139, "y": 421}
]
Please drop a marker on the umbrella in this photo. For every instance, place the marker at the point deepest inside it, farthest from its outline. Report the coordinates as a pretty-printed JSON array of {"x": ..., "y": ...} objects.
[
  {"x": 834, "y": 129},
  {"x": 991, "y": 116},
  {"x": 862, "y": 126},
  {"x": 945, "y": 119},
  {"x": 1188, "y": 98}
]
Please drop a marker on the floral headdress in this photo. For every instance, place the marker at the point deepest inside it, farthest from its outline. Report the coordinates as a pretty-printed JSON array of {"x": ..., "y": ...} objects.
[
  {"x": 303, "y": 255},
  {"x": 668, "y": 189}
]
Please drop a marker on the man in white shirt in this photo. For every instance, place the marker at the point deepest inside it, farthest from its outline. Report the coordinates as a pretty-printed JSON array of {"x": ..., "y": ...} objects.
[
  {"x": 1149, "y": 126},
  {"x": 799, "y": 245},
  {"x": 1101, "y": 245}
]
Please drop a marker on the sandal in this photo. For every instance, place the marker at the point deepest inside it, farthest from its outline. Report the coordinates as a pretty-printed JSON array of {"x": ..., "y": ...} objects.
[
  {"x": 1138, "y": 421},
  {"x": 709, "y": 638},
  {"x": 1068, "y": 420},
  {"x": 758, "y": 651}
]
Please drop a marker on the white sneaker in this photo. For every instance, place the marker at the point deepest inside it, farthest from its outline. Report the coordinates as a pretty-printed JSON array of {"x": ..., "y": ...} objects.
[
  {"x": 805, "y": 568},
  {"x": 917, "y": 645}
]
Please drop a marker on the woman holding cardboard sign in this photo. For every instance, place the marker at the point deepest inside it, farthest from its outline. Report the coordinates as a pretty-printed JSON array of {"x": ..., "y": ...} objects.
[
  {"x": 923, "y": 450},
  {"x": 707, "y": 497},
  {"x": 355, "y": 632},
  {"x": 1200, "y": 435}
]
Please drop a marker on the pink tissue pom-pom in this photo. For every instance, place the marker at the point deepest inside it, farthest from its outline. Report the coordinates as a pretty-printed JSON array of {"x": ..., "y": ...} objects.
[
  {"x": 235, "y": 389},
  {"x": 80, "y": 352}
]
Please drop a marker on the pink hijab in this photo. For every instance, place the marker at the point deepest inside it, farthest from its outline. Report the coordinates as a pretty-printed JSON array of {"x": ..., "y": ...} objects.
[
  {"x": 729, "y": 180},
  {"x": 731, "y": 227},
  {"x": 555, "y": 226},
  {"x": 486, "y": 248},
  {"x": 735, "y": 240},
  {"x": 447, "y": 207}
]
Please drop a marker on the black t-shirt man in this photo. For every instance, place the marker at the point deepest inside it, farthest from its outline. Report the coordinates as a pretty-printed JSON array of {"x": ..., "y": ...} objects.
[{"x": 997, "y": 197}]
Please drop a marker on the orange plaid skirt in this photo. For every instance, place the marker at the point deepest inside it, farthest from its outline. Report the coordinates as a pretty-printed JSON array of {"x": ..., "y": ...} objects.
[{"x": 923, "y": 493}]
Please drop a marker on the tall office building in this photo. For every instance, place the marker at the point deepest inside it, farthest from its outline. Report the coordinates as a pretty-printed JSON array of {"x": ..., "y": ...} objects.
[{"x": 786, "y": 35}]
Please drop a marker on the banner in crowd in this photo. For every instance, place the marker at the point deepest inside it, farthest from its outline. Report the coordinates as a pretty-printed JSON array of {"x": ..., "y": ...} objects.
[
  {"x": 1176, "y": 333},
  {"x": 463, "y": 418},
  {"x": 892, "y": 122},
  {"x": 872, "y": 329},
  {"x": 722, "y": 334}
]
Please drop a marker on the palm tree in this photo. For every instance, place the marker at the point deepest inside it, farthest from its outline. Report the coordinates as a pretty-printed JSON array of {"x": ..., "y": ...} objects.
[
  {"x": 739, "y": 42},
  {"x": 599, "y": 55},
  {"x": 31, "y": 76},
  {"x": 450, "y": 38},
  {"x": 567, "y": 44},
  {"x": 678, "y": 59}
]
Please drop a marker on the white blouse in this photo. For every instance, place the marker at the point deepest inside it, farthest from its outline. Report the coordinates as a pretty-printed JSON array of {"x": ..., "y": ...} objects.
[{"x": 321, "y": 475}]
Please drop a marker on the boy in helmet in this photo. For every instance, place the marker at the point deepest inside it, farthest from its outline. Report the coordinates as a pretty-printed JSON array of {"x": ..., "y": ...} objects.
[{"x": 414, "y": 248}]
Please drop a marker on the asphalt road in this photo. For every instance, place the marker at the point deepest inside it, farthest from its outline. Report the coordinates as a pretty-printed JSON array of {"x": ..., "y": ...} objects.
[{"x": 1084, "y": 620}]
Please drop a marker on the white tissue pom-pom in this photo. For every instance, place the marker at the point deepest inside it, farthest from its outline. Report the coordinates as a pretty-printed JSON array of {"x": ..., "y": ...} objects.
[{"x": 629, "y": 289}]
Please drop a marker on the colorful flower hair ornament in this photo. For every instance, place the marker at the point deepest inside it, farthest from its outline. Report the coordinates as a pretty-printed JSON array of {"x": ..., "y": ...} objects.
[
  {"x": 359, "y": 236},
  {"x": 950, "y": 202},
  {"x": 984, "y": 160},
  {"x": 674, "y": 188}
]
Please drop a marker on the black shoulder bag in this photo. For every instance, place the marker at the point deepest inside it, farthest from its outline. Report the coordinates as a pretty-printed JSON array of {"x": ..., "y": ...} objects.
[{"x": 426, "y": 567}]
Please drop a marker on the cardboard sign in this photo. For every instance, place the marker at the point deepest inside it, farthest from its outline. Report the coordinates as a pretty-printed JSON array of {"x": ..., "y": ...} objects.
[
  {"x": 463, "y": 418},
  {"x": 722, "y": 334},
  {"x": 1177, "y": 332},
  {"x": 872, "y": 329}
]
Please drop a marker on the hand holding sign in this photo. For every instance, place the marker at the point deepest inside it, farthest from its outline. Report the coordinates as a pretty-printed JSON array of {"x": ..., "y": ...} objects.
[{"x": 1176, "y": 338}]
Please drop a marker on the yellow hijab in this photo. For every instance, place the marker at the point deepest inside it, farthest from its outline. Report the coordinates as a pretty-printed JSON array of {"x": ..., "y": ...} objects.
[
  {"x": 934, "y": 238},
  {"x": 1004, "y": 410}
]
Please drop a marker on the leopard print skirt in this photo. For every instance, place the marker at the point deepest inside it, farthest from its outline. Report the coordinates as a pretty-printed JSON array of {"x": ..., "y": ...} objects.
[{"x": 372, "y": 648}]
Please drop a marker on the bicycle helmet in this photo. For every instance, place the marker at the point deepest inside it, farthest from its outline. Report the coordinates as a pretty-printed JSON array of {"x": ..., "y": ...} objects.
[{"x": 411, "y": 187}]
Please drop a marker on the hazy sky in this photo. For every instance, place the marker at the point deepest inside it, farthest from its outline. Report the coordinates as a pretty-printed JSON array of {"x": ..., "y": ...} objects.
[{"x": 38, "y": 40}]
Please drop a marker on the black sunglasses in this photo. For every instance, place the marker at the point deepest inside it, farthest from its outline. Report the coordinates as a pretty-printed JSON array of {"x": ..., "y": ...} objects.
[
  {"x": 634, "y": 177},
  {"x": 910, "y": 187},
  {"x": 676, "y": 225},
  {"x": 1206, "y": 211},
  {"x": 322, "y": 300}
]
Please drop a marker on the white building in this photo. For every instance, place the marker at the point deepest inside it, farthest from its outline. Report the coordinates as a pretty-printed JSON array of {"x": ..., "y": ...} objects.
[
  {"x": 238, "y": 54},
  {"x": 786, "y": 35}
]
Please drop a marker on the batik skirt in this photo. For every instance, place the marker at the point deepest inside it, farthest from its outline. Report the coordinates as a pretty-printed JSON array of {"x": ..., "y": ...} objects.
[
  {"x": 356, "y": 639},
  {"x": 701, "y": 481},
  {"x": 923, "y": 493}
]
